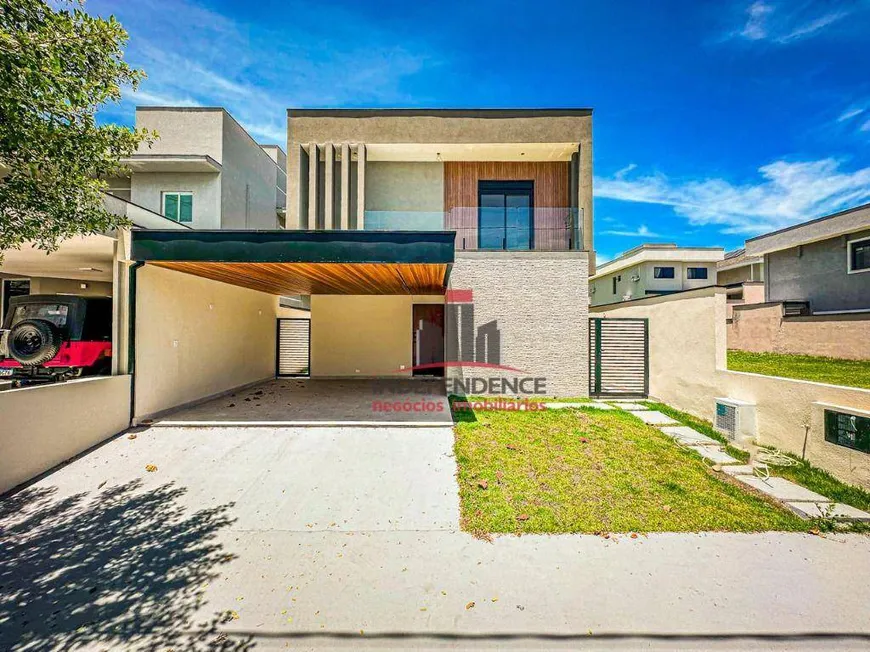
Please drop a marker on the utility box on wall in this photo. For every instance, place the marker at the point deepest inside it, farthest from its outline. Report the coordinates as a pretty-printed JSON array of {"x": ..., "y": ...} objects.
[{"x": 736, "y": 420}]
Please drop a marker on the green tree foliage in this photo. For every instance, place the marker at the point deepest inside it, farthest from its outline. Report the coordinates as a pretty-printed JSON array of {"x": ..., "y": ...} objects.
[{"x": 58, "y": 65}]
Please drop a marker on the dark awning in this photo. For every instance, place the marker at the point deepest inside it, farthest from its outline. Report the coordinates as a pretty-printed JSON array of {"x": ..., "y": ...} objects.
[{"x": 306, "y": 262}]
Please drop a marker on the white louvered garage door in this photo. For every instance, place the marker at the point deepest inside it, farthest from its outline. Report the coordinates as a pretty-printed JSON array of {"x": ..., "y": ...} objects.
[
  {"x": 294, "y": 337},
  {"x": 618, "y": 357}
]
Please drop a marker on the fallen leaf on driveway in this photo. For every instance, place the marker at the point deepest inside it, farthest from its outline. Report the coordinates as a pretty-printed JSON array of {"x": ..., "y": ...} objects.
[
  {"x": 151, "y": 468},
  {"x": 132, "y": 435},
  {"x": 634, "y": 535},
  {"x": 470, "y": 605},
  {"x": 102, "y": 484}
]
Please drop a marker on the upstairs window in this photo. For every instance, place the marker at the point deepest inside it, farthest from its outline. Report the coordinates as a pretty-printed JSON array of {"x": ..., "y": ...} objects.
[
  {"x": 178, "y": 206},
  {"x": 696, "y": 273},
  {"x": 859, "y": 256},
  {"x": 663, "y": 272}
]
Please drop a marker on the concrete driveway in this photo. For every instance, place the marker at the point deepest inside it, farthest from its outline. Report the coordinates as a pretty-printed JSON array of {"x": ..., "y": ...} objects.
[{"x": 346, "y": 537}]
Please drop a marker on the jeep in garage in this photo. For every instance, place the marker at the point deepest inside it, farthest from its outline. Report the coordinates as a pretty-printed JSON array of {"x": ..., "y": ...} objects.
[{"x": 49, "y": 338}]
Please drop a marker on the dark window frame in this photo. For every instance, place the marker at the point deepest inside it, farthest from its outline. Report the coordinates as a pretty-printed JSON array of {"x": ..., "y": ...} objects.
[
  {"x": 690, "y": 271},
  {"x": 518, "y": 187},
  {"x": 614, "y": 285},
  {"x": 851, "y": 253},
  {"x": 656, "y": 274}
]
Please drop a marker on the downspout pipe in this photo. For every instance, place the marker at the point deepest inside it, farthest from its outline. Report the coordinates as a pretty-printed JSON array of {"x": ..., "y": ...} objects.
[{"x": 131, "y": 336}]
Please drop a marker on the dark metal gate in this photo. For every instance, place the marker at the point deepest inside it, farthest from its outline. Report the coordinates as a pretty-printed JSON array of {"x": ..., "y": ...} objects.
[
  {"x": 618, "y": 357},
  {"x": 293, "y": 347}
]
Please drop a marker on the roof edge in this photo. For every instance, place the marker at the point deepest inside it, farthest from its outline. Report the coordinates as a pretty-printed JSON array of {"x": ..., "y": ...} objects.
[{"x": 438, "y": 113}]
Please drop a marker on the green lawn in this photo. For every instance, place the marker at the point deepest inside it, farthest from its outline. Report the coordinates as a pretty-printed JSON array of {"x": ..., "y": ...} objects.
[
  {"x": 802, "y": 473},
  {"x": 593, "y": 471},
  {"x": 852, "y": 373}
]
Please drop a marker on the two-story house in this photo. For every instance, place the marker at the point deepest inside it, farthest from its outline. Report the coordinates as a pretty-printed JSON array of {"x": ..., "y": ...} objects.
[
  {"x": 652, "y": 269},
  {"x": 204, "y": 170},
  {"x": 822, "y": 263},
  {"x": 514, "y": 186}
]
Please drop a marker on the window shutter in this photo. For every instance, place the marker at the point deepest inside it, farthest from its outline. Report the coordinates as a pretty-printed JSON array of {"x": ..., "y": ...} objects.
[
  {"x": 170, "y": 206},
  {"x": 186, "y": 208}
]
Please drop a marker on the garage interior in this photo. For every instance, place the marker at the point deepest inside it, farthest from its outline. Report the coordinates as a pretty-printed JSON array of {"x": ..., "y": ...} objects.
[{"x": 208, "y": 318}]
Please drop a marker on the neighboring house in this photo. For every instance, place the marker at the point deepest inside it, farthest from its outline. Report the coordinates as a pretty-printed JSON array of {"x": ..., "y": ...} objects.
[
  {"x": 743, "y": 278},
  {"x": 816, "y": 287},
  {"x": 205, "y": 171},
  {"x": 823, "y": 263},
  {"x": 652, "y": 269}
]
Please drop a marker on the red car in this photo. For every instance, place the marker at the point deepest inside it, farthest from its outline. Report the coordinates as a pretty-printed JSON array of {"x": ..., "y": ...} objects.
[{"x": 52, "y": 337}]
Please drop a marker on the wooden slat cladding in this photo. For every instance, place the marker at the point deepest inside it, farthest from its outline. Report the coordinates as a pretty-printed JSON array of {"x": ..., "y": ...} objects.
[
  {"x": 321, "y": 278},
  {"x": 552, "y": 198}
]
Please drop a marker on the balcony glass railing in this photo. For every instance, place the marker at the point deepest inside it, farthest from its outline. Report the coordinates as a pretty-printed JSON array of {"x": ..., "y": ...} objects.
[{"x": 511, "y": 229}]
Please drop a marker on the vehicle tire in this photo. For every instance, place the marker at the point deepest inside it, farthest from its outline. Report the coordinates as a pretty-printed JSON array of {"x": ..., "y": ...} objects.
[{"x": 34, "y": 341}]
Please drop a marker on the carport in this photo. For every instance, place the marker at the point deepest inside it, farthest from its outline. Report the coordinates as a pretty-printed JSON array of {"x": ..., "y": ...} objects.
[{"x": 205, "y": 308}]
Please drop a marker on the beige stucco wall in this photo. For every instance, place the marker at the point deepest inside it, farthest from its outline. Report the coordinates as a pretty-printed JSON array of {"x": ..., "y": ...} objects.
[
  {"x": 183, "y": 131},
  {"x": 45, "y": 285},
  {"x": 196, "y": 338},
  {"x": 403, "y": 186},
  {"x": 647, "y": 282},
  {"x": 539, "y": 302},
  {"x": 762, "y": 328},
  {"x": 248, "y": 178},
  {"x": 362, "y": 335},
  {"x": 43, "y": 426},
  {"x": 688, "y": 371},
  {"x": 147, "y": 190}
]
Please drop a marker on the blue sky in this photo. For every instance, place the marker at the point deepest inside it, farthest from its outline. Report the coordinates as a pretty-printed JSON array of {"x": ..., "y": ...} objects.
[{"x": 714, "y": 121}]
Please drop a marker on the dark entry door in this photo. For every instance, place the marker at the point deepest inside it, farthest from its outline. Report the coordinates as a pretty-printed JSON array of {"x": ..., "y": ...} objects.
[
  {"x": 505, "y": 214},
  {"x": 428, "y": 339}
]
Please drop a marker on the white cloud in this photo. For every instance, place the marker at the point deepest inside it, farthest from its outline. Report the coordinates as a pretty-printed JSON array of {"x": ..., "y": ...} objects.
[
  {"x": 628, "y": 168},
  {"x": 765, "y": 21},
  {"x": 786, "y": 193},
  {"x": 755, "y": 28},
  {"x": 849, "y": 114},
  {"x": 641, "y": 232},
  {"x": 865, "y": 126}
]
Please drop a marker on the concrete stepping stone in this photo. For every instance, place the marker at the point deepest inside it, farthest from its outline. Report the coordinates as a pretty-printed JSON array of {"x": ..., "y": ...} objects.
[
  {"x": 592, "y": 404},
  {"x": 782, "y": 489},
  {"x": 715, "y": 455},
  {"x": 739, "y": 469},
  {"x": 837, "y": 511},
  {"x": 631, "y": 407},
  {"x": 655, "y": 418},
  {"x": 690, "y": 437}
]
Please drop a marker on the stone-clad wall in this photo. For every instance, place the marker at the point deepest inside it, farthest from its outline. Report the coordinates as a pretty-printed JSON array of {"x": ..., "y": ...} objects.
[{"x": 540, "y": 305}]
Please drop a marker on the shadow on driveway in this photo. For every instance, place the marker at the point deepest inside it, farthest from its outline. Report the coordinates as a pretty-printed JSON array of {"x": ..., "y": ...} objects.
[{"x": 120, "y": 567}]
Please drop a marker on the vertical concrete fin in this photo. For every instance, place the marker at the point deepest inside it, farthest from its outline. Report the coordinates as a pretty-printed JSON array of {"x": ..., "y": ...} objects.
[
  {"x": 329, "y": 186},
  {"x": 361, "y": 186},
  {"x": 313, "y": 198},
  {"x": 345, "y": 187}
]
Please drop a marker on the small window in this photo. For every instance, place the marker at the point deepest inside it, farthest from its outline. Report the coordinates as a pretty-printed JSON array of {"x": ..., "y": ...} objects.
[
  {"x": 849, "y": 430},
  {"x": 663, "y": 272},
  {"x": 614, "y": 285},
  {"x": 859, "y": 256},
  {"x": 178, "y": 206},
  {"x": 696, "y": 273}
]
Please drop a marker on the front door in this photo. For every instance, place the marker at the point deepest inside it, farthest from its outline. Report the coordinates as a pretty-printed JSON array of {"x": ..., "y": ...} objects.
[
  {"x": 505, "y": 215},
  {"x": 428, "y": 339}
]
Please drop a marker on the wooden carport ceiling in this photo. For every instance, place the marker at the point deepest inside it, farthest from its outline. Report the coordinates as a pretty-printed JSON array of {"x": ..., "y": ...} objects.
[
  {"x": 321, "y": 278},
  {"x": 287, "y": 262}
]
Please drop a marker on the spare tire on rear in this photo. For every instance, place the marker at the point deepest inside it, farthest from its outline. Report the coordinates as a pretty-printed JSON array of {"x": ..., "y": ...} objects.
[{"x": 34, "y": 341}]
